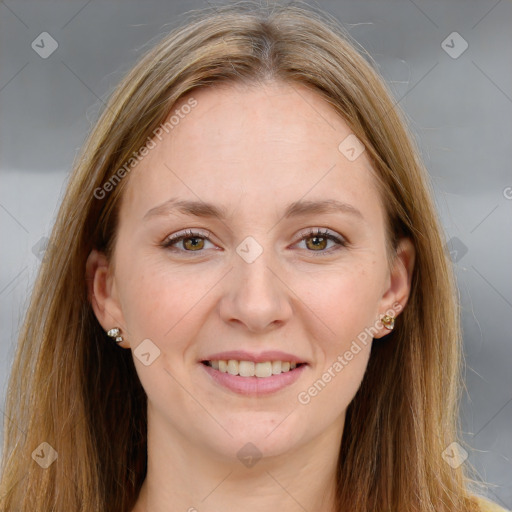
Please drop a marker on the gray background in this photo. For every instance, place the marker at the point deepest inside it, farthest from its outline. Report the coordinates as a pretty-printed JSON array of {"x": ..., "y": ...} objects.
[{"x": 460, "y": 110}]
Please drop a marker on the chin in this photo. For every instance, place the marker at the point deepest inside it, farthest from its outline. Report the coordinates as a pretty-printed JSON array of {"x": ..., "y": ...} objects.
[{"x": 266, "y": 431}]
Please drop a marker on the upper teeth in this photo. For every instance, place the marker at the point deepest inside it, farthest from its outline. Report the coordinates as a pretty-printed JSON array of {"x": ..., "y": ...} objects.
[{"x": 252, "y": 369}]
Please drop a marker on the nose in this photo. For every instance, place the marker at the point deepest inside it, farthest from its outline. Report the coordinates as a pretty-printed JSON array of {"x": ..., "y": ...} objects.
[{"x": 256, "y": 295}]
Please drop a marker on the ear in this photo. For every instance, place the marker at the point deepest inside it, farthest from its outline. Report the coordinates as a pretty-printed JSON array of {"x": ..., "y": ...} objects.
[
  {"x": 398, "y": 287},
  {"x": 102, "y": 293}
]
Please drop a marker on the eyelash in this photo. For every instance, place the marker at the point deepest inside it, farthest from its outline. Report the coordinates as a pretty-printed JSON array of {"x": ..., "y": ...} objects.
[{"x": 178, "y": 237}]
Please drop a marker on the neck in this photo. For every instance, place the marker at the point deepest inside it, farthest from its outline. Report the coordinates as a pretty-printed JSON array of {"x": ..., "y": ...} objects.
[{"x": 185, "y": 476}]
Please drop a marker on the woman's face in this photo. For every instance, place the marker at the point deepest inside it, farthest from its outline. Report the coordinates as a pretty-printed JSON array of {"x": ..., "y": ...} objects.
[{"x": 292, "y": 270}]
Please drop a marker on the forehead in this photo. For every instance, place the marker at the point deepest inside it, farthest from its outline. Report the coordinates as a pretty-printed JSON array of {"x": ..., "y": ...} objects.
[{"x": 264, "y": 143}]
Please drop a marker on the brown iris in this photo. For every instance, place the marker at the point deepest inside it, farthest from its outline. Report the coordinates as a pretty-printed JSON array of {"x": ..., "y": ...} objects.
[
  {"x": 317, "y": 244},
  {"x": 198, "y": 243}
]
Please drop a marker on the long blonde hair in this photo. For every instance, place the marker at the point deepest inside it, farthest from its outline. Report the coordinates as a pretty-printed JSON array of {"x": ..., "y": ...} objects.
[{"x": 72, "y": 387}]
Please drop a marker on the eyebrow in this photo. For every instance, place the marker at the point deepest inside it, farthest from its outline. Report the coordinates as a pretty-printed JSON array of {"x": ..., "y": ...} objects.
[{"x": 209, "y": 210}]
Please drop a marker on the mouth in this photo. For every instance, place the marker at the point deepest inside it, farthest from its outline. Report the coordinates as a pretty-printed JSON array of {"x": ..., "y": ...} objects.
[
  {"x": 262, "y": 370},
  {"x": 251, "y": 378}
]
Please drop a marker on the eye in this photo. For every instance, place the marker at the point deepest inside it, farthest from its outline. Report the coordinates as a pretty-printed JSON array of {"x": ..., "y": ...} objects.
[
  {"x": 317, "y": 241},
  {"x": 192, "y": 241}
]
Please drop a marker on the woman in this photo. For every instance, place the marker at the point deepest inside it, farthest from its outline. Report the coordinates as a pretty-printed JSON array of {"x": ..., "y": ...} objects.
[{"x": 306, "y": 356}]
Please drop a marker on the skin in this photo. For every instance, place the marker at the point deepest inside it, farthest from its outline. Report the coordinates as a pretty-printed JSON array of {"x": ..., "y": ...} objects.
[{"x": 252, "y": 150}]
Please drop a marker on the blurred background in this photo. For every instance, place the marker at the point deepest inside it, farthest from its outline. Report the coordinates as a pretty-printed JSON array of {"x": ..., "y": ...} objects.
[{"x": 446, "y": 63}]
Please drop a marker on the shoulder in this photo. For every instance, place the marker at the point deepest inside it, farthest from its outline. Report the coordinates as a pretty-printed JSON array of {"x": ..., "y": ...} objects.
[{"x": 488, "y": 506}]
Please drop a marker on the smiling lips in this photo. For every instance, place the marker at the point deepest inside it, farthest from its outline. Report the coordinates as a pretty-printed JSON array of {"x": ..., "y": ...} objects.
[
  {"x": 250, "y": 368},
  {"x": 254, "y": 374}
]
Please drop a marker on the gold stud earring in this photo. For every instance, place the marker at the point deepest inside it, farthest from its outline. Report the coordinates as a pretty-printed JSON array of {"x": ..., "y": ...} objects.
[
  {"x": 388, "y": 322},
  {"x": 115, "y": 333}
]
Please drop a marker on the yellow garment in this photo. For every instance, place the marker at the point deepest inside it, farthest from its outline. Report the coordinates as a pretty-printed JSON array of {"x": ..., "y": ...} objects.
[{"x": 489, "y": 506}]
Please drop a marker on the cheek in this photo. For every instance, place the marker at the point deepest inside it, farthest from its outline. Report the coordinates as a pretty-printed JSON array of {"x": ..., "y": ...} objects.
[
  {"x": 156, "y": 301},
  {"x": 345, "y": 304},
  {"x": 345, "y": 300},
  {"x": 164, "y": 307}
]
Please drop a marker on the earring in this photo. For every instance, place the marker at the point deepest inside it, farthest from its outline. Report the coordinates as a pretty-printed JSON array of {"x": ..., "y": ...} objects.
[
  {"x": 388, "y": 321},
  {"x": 115, "y": 333}
]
